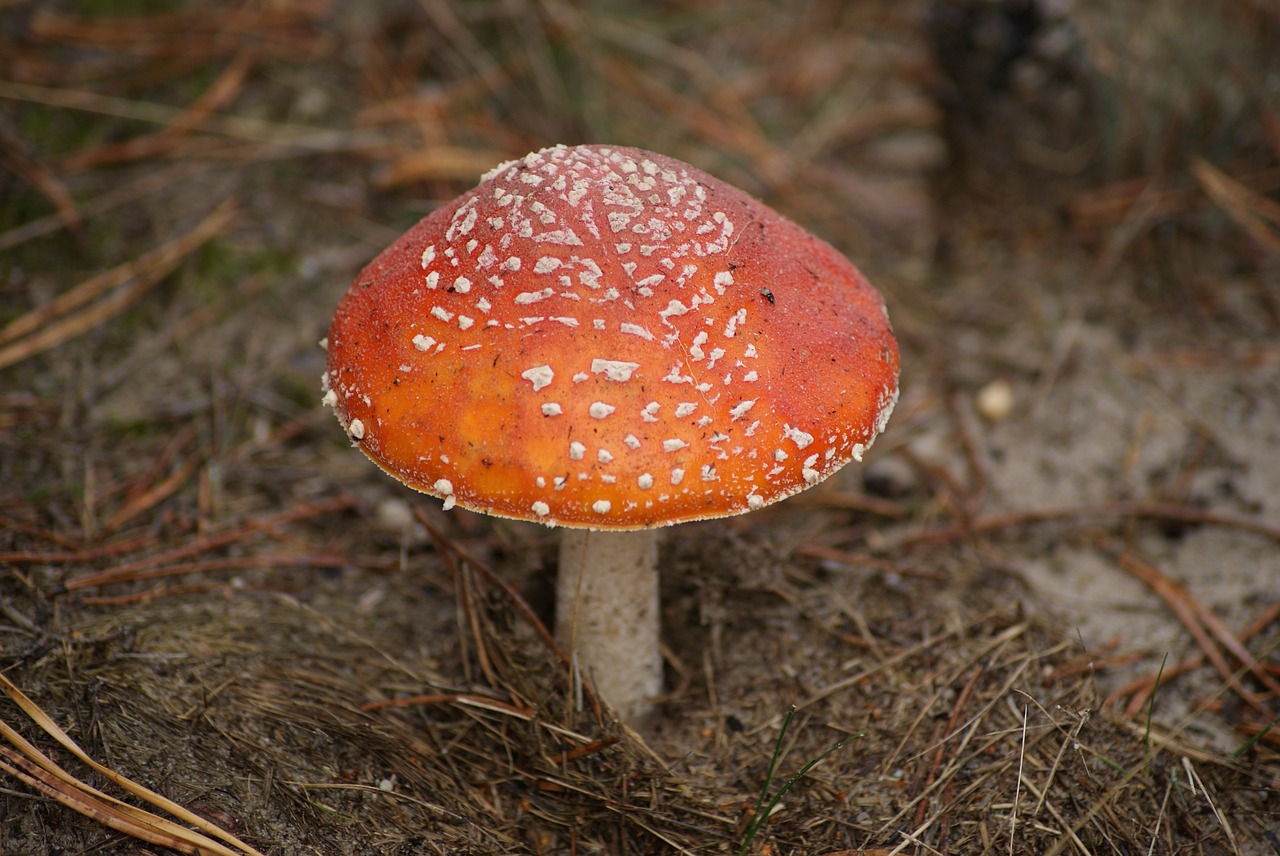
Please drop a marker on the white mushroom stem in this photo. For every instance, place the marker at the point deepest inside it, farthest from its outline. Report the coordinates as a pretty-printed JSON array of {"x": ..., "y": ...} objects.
[{"x": 608, "y": 617}]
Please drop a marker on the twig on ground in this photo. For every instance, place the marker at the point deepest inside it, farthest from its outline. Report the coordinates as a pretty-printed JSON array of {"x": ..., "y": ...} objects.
[
  {"x": 830, "y": 554},
  {"x": 42, "y": 332},
  {"x": 1139, "y": 690},
  {"x": 227, "y": 589},
  {"x": 1257, "y": 215},
  {"x": 1149, "y": 510},
  {"x": 15, "y": 157},
  {"x": 220, "y": 93},
  {"x": 131, "y": 570},
  {"x": 1204, "y": 627}
]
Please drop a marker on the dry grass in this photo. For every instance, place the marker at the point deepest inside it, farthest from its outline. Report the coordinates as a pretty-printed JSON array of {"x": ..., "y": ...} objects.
[{"x": 215, "y": 599}]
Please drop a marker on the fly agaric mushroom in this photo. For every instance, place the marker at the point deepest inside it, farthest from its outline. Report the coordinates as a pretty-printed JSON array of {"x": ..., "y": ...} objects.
[{"x": 610, "y": 341}]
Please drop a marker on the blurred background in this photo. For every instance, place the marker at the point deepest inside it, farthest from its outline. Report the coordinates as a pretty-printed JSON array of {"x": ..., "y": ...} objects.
[{"x": 1048, "y": 604}]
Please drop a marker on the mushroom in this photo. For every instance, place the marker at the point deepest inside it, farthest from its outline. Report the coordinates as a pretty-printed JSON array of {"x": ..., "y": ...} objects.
[{"x": 610, "y": 341}]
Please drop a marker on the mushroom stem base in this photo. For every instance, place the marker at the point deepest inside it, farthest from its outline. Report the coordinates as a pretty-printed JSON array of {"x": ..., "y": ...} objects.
[{"x": 608, "y": 615}]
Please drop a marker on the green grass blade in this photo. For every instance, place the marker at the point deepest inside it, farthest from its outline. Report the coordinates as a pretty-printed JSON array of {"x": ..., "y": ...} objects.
[{"x": 763, "y": 810}]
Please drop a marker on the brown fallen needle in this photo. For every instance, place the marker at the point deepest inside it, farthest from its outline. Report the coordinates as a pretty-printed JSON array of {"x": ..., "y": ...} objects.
[
  {"x": 138, "y": 569},
  {"x": 42, "y": 329},
  {"x": 220, "y": 93},
  {"x": 1205, "y": 628},
  {"x": 1139, "y": 691},
  {"x": 1133, "y": 510},
  {"x": 22, "y": 760}
]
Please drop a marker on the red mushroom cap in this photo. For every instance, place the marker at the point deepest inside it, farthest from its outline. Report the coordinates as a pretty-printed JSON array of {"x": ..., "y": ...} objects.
[{"x": 607, "y": 338}]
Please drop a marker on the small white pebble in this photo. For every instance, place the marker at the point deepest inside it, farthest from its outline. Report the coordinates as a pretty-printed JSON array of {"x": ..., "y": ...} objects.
[
  {"x": 995, "y": 400},
  {"x": 394, "y": 515}
]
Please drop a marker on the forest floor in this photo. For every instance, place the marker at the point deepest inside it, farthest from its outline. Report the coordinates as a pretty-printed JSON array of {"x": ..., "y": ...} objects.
[{"x": 1045, "y": 613}]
